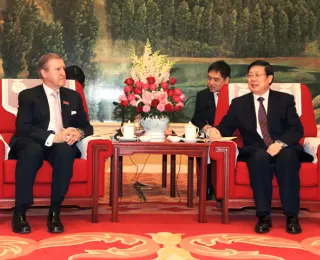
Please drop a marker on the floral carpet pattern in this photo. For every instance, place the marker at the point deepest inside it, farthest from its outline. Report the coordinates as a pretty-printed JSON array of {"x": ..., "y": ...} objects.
[{"x": 160, "y": 232}]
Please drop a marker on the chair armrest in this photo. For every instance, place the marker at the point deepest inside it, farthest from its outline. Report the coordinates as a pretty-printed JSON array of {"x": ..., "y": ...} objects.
[
  {"x": 85, "y": 145},
  {"x": 311, "y": 146},
  {"x": 225, "y": 155}
]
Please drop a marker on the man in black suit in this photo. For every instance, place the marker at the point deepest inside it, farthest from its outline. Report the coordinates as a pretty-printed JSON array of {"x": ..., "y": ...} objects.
[
  {"x": 50, "y": 121},
  {"x": 206, "y": 103},
  {"x": 271, "y": 130}
]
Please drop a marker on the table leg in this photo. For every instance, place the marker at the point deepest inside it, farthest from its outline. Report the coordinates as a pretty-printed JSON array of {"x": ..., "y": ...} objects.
[
  {"x": 120, "y": 175},
  {"x": 190, "y": 182},
  {"x": 203, "y": 188},
  {"x": 173, "y": 176},
  {"x": 164, "y": 170},
  {"x": 115, "y": 184},
  {"x": 110, "y": 182},
  {"x": 198, "y": 160}
]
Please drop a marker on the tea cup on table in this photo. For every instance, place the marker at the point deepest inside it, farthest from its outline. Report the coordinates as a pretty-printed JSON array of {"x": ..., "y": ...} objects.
[
  {"x": 128, "y": 130},
  {"x": 191, "y": 131}
]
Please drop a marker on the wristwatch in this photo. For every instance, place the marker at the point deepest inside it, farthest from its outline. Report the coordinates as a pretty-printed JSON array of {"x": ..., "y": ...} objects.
[
  {"x": 81, "y": 133},
  {"x": 282, "y": 143}
]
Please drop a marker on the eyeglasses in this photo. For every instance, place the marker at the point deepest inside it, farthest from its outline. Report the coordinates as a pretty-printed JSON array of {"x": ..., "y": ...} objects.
[{"x": 251, "y": 76}]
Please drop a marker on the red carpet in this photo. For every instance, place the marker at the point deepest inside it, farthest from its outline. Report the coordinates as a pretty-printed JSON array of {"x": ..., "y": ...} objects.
[{"x": 159, "y": 236}]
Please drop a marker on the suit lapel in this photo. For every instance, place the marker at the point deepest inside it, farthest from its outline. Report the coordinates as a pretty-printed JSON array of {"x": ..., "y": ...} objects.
[
  {"x": 65, "y": 108},
  {"x": 252, "y": 120},
  {"x": 272, "y": 109},
  {"x": 43, "y": 103}
]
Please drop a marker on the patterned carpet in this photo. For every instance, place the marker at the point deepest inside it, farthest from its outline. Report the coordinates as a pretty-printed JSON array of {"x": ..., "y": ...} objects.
[{"x": 161, "y": 228}]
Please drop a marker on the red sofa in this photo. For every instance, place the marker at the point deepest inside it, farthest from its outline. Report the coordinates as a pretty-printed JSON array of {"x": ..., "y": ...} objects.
[
  {"x": 232, "y": 182},
  {"x": 82, "y": 191}
]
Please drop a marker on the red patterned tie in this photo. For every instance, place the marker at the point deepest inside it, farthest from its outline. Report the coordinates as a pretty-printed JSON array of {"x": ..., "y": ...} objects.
[{"x": 262, "y": 116}]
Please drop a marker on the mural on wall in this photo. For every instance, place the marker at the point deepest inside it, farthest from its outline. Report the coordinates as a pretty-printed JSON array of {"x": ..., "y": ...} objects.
[{"x": 99, "y": 36}]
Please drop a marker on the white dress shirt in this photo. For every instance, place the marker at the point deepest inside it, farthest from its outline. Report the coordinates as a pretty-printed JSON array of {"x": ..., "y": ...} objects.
[
  {"x": 256, "y": 108},
  {"x": 52, "y": 122}
]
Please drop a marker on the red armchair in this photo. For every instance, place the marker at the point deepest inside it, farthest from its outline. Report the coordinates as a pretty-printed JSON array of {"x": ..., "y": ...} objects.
[
  {"x": 87, "y": 182},
  {"x": 232, "y": 182}
]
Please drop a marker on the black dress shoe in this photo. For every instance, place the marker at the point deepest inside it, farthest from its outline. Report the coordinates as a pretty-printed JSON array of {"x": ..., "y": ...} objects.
[
  {"x": 263, "y": 225},
  {"x": 293, "y": 225},
  {"x": 54, "y": 223},
  {"x": 20, "y": 224}
]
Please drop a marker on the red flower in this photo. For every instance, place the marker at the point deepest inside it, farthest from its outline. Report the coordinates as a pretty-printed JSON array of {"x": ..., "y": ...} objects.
[
  {"x": 155, "y": 102},
  {"x": 145, "y": 86},
  {"x": 151, "y": 80},
  {"x": 175, "y": 98},
  {"x": 179, "y": 107},
  {"x": 170, "y": 93},
  {"x": 139, "y": 109},
  {"x": 164, "y": 85},
  {"x": 129, "y": 81},
  {"x": 177, "y": 91},
  {"x": 131, "y": 97},
  {"x": 138, "y": 84},
  {"x": 153, "y": 87},
  {"x": 169, "y": 107},
  {"x": 124, "y": 103},
  {"x": 137, "y": 91},
  {"x": 127, "y": 89},
  {"x": 173, "y": 81}
]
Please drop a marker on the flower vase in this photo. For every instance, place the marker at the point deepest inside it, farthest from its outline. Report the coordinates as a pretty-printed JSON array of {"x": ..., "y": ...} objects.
[{"x": 155, "y": 127}]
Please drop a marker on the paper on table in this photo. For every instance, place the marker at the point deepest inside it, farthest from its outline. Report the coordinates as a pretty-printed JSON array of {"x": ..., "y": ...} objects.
[{"x": 226, "y": 138}]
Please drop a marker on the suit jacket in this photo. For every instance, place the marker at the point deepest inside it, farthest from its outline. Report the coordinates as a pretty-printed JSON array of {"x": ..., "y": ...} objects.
[
  {"x": 205, "y": 109},
  {"x": 34, "y": 115},
  {"x": 283, "y": 122}
]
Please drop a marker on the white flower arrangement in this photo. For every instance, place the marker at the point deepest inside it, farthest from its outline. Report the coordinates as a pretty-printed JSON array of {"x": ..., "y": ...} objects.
[{"x": 151, "y": 65}]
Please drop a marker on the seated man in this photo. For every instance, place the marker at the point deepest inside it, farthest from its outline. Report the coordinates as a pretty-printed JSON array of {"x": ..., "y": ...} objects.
[
  {"x": 271, "y": 130},
  {"x": 50, "y": 120},
  {"x": 206, "y": 103}
]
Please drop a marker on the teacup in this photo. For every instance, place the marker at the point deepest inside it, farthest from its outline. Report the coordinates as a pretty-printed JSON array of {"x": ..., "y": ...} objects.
[
  {"x": 191, "y": 131},
  {"x": 128, "y": 130}
]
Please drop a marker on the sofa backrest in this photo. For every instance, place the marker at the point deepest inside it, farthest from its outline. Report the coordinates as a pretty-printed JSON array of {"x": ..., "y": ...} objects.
[
  {"x": 300, "y": 92},
  {"x": 10, "y": 89}
]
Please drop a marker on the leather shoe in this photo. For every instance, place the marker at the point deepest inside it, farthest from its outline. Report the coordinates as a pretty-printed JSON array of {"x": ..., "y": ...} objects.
[
  {"x": 263, "y": 225},
  {"x": 293, "y": 225},
  {"x": 54, "y": 223},
  {"x": 20, "y": 224}
]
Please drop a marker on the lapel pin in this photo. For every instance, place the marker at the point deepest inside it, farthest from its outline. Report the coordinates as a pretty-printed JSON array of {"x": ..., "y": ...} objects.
[{"x": 65, "y": 102}]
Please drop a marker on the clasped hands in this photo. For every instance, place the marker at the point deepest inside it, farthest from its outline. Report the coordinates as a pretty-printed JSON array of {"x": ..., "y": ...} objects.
[
  {"x": 273, "y": 149},
  {"x": 69, "y": 135}
]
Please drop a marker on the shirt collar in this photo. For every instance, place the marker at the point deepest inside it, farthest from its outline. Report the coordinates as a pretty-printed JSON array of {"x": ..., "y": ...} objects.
[
  {"x": 48, "y": 90},
  {"x": 265, "y": 95}
]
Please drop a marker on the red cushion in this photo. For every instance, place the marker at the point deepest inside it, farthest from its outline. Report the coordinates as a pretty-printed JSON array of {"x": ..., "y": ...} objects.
[
  {"x": 44, "y": 174},
  {"x": 308, "y": 175}
]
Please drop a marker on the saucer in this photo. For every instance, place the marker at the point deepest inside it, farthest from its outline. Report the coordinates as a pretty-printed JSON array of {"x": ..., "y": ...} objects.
[
  {"x": 127, "y": 139},
  {"x": 189, "y": 140},
  {"x": 174, "y": 139}
]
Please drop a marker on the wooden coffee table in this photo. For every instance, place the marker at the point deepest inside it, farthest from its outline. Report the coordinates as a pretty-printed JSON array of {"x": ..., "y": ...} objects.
[{"x": 198, "y": 150}]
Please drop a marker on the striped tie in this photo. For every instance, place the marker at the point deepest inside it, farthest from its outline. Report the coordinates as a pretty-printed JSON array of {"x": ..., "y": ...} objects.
[{"x": 262, "y": 116}]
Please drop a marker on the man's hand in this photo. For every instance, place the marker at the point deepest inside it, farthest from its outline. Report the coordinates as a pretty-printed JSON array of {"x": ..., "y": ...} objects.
[
  {"x": 73, "y": 135},
  {"x": 205, "y": 128},
  {"x": 61, "y": 137},
  {"x": 214, "y": 134},
  {"x": 69, "y": 135},
  {"x": 274, "y": 149}
]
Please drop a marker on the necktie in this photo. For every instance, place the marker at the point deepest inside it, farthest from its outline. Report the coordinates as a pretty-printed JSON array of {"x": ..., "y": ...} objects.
[
  {"x": 262, "y": 116},
  {"x": 57, "y": 110}
]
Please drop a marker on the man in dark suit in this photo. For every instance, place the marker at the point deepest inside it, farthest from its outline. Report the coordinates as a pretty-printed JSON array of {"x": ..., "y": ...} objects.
[
  {"x": 50, "y": 121},
  {"x": 205, "y": 108},
  {"x": 271, "y": 130}
]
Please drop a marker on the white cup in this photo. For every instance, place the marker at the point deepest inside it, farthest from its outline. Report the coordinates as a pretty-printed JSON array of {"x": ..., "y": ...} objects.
[
  {"x": 128, "y": 130},
  {"x": 191, "y": 131}
]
